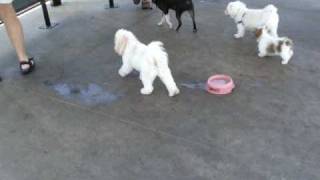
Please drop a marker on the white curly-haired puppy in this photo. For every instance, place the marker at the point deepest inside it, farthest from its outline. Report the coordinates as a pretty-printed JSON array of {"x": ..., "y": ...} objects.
[
  {"x": 274, "y": 46},
  {"x": 150, "y": 60},
  {"x": 252, "y": 19}
]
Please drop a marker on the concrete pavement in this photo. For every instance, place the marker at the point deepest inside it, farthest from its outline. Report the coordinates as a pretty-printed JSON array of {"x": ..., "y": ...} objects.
[{"x": 74, "y": 118}]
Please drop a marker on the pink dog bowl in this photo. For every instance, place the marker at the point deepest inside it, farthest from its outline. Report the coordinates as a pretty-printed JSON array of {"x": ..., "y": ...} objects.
[{"x": 220, "y": 84}]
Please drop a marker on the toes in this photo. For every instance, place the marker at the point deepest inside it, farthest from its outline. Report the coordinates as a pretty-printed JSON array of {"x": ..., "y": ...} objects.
[
  {"x": 174, "y": 92},
  {"x": 122, "y": 74},
  {"x": 146, "y": 91},
  {"x": 237, "y": 36}
]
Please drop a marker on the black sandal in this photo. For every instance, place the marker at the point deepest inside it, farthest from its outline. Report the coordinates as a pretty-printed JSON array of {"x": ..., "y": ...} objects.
[{"x": 32, "y": 65}]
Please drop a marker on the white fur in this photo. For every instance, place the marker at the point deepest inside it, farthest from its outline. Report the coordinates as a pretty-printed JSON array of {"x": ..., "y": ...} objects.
[
  {"x": 266, "y": 39},
  {"x": 150, "y": 60},
  {"x": 165, "y": 18},
  {"x": 252, "y": 19}
]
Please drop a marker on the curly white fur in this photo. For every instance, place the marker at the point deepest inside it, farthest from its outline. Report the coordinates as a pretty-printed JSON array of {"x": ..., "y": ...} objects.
[
  {"x": 150, "y": 60},
  {"x": 252, "y": 19},
  {"x": 274, "y": 46}
]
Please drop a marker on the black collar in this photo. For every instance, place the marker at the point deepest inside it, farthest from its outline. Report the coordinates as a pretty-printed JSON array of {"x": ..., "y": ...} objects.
[{"x": 241, "y": 22}]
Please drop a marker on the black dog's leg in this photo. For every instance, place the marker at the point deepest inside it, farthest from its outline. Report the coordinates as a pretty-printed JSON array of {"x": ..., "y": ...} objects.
[
  {"x": 191, "y": 12},
  {"x": 178, "y": 15},
  {"x": 166, "y": 16}
]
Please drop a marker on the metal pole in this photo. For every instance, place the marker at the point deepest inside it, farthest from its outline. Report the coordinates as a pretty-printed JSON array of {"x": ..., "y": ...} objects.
[
  {"x": 45, "y": 13},
  {"x": 48, "y": 24},
  {"x": 56, "y": 3},
  {"x": 111, "y": 4}
]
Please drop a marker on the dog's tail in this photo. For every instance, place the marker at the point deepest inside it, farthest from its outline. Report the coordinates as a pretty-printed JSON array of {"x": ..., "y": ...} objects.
[
  {"x": 158, "y": 55},
  {"x": 159, "y": 58},
  {"x": 271, "y": 8}
]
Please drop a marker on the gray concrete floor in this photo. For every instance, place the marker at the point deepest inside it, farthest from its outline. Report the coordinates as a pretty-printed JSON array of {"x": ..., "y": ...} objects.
[{"x": 76, "y": 119}]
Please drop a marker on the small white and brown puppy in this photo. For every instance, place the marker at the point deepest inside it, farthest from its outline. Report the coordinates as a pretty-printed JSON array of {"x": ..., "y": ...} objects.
[
  {"x": 252, "y": 19},
  {"x": 150, "y": 60},
  {"x": 274, "y": 46}
]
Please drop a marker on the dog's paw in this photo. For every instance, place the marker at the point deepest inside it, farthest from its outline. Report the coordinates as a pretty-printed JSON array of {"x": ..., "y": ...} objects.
[
  {"x": 237, "y": 36},
  {"x": 284, "y": 62},
  {"x": 146, "y": 91},
  {"x": 174, "y": 92},
  {"x": 170, "y": 26},
  {"x": 261, "y": 55},
  {"x": 122, "y": 73},
  {"x": 159, "y": 23}
]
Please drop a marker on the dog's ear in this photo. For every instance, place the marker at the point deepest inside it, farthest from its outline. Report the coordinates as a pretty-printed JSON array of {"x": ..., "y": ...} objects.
[
  {"x": 241, "y": 5},
  {"x": 279, "y": 47},
  {"x": 121, "y": 42},
  {"x": 229, "y": 8},
  {"x": 259, "y": 33},
  {"x": 239, "y": 10}
]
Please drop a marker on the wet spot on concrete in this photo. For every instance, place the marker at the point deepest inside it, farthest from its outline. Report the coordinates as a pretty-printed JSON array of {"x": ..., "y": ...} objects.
[
  {"x": 62, "y": 89},
  {"x": 194, "y": 85},
  {"x": 91, "y": 94},
  {"x": 47, "y": 83},
  {"x": 75, "y": 90}
]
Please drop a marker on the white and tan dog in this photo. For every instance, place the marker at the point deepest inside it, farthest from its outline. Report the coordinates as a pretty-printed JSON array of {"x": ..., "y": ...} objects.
[
  {"x": 150, "y": 60},
  {"x": 252, "y": 19},
  {"x": 274, "y": 46}
]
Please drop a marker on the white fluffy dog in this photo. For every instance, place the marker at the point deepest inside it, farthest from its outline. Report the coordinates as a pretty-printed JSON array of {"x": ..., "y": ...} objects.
[
  {"x": 252, "y": 19},
  {"x": 274, "y": 46},
  {"x": 150, "y": 60}
]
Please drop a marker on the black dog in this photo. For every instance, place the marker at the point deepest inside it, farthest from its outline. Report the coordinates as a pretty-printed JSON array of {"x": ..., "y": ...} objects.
[{"x": 179, "y": 6}]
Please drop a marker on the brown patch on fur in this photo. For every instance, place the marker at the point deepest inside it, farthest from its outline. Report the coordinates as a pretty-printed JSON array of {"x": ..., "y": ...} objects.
[
  {"x": 271, "y": 49},
  {"x": 258, "y": 33},
  {"x": 279, "y": 47}
]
